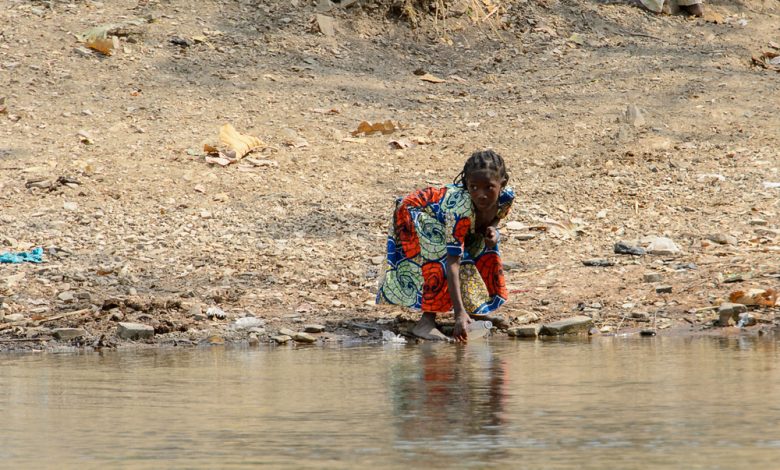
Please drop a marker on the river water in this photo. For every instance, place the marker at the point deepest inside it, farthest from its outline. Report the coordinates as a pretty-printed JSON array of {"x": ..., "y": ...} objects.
[{"x": 683, "y": 403}]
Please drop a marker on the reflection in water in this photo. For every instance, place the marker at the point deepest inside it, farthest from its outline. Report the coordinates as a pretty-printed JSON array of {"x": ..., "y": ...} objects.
[
  {"x": 588, "y": 404},
  {"x": 450, "y": 400}
]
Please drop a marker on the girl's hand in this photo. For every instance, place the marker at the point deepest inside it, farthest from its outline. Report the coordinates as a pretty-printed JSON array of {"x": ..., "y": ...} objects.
[
  {"x": 491, "y": 237},
  {"x": 460, "y": 332}
]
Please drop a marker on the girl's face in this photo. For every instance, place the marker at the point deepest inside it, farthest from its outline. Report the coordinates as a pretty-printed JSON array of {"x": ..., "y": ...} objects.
[{"x": 484, "y": 188}]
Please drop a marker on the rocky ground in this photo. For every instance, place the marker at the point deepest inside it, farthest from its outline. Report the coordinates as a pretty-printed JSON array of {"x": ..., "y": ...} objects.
[{"x": 617, "y": 124}]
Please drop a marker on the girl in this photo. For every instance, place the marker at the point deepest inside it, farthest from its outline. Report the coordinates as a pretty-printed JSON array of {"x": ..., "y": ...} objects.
[{"x": 442, "y": 250}]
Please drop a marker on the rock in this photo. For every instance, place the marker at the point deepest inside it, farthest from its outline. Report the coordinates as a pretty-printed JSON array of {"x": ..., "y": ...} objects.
[
  {"x": 722, "y": 239},
  {"x": 200, "y": 317},
  {"x": 304, "y": 338},
  {"x": 634, "y": 116},
  {"x": 623, "y": 248},
  {"x": 70, "y": 206},
  {"x": 663, "y": 290},
  {"x": 652, "y": 277},
  {"x": 66, "y": 296},
  {"x": 246, "y": 323},
  {"x": 759, "y": 222},
  {"x": 286, "y": 332},
  {"x": 606, "y": 329},
  {"x": 326, "y": 25},
  {"x": 117, "y": 315},
  {"x": 134, "y": 331},
  {"x": 527, "y": 318},
  {"x": 254, "y": 340},
  {"x": 527, "y": 331},
  {"x": 598, "y": 262},
  {"x": 311, "y": 328},
  {"x": 196, "y": 309},
  {"x": 281, "y": 339},
  {"x": 14, "y": 317},
  {"x": 640, "y": 316},
  {"x": 67, "y": 334},
  {"x": 662, "y": 246},
  {"x": 573, "y": 325}
]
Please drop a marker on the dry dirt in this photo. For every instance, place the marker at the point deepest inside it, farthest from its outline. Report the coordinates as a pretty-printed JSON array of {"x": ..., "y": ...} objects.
[{"x": 102, "y": 164}]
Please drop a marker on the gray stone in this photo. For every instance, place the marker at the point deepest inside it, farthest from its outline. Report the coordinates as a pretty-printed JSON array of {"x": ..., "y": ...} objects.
[
  {"x": 527, "y": 318},
  {"x": 526, "y": 331},
  {"x": 254, "y": 340},
  {"x": 312, "y": 328},
  {"x": 757, "y": 222},
  {"x": 598, "y": 262},
  {"x": 66, "y": 296},
  {"x": 662, "y": 246},
  {"x": 84, "y": 296},
  {"x": 652, "y": 277},
  {"x": 573, "y": 325},
  {"x": 722, "y": 239},
  {"x": 634, "y": 116},
  {"x": 281, "y": 339},
  {"x": 663, "y": 290},
  {"x": 134, "y": 331},
  {"x": 286, "y": 332},
  {"x": 67, "y": 334},
  {"x": 14, "y": 317},
  {"x": 640, "y": 316},
  {"x": 304, "y": 338},
  {"x": 196, "y": 309}
]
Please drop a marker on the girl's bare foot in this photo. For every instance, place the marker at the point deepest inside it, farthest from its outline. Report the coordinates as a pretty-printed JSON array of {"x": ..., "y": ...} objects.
[{"x": 426, "y": 328}]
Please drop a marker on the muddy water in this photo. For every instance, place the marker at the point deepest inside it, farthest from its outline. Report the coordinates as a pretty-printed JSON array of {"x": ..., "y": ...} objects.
[{"x": 661, "y": 402}]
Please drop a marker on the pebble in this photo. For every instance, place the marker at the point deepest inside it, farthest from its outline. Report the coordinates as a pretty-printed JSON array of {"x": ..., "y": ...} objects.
[
  {"x": 729, "y": 313},
  {"x": 527, "y": 318},
  {"x": 67, "y": 334},
  {"x": 623, "y": 248},
  {"x": 573, "y": 325},
  {"x": 70, "y": 206},
  {"x": 246, "y": 323},
  {"x": 598, "y": 262},
  {"x": 312, "y": 328},
  {"x": 757, "y": 222},
  {"x": 527, "y": 331},
  {"x": 286, "y": 332},
  {"x": 281, "y": 339},
  {"x": 254, "y": 340},
  {"x": 196, "y": 309},
  {"x": 134, "y": 331},
  {"x": 663, "y": 290},
  {"x": 66, "y": 296},
  {"x": 722, "y": 239},
  {"x": 652, "y": 277},
  {"x": 662, "y": 246},
  {"x": 304, "y": 338},
  {"x": 14, "y": 317}
]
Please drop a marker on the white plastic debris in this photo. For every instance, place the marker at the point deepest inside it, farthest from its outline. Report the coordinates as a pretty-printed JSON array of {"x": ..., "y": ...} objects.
[
  {"x": 390, "y": 337},
  {"x": 216, "y": 312}
]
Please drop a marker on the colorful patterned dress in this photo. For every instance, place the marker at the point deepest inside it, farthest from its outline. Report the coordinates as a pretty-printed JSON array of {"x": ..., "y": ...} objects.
[{"x": 427, "y": 226}]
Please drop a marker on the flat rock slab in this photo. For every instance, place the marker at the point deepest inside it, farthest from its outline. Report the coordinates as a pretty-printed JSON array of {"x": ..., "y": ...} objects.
[
  {"x": 526, "y": 331},
  {"x": 134, "y": 331},
  {"x": 312, "y": 328},
  {"x": 67, "y": 334},
  {"x": 304, "y": 338},
  {"x": 573, "y": 325},
  {"x": 281, "y": 339}
]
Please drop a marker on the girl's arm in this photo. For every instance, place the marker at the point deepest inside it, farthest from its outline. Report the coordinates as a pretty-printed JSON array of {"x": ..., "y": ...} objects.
[{"x": 453, "y": 284}]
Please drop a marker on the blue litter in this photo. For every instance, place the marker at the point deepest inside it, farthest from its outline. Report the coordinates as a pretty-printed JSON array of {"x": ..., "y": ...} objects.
[{"x": 33, "y": 256}]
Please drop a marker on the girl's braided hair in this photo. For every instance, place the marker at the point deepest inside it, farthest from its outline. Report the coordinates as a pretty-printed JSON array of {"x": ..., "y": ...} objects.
[{"x": 483, "y": 160}]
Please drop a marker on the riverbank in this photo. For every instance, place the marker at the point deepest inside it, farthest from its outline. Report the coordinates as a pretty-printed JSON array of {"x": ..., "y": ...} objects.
[{"x": 613, "y": 132}]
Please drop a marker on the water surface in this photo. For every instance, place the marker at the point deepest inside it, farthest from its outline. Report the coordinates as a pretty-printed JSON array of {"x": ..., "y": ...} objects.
[{"x": 608, "y": 403}]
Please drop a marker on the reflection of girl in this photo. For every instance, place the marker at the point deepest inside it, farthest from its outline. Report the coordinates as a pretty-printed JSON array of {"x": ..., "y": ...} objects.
[
  {"x": 450, "y": 400},
  {"x": 442, "y": 250}
]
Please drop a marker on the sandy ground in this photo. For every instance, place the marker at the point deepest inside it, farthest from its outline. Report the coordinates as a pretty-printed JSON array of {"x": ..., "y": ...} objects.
[{"x": 102, "y": 163}]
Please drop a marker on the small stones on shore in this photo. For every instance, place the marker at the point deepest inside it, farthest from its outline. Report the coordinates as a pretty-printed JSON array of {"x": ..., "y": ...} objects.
[
  {"x": 13, "y": 318},
  {"x": 67, "y": 334},
  {"x": 624, "y": 248},
  {"x": 598, "y": 262},
  {"x": 286, "y": 332},
  {"x": 652, "y": 277},
  {"x": 663, "y": 290},
  {"x": 281, "y": 339},
  {"x": 662, "y": 246},
  {"x": 313, "y": 328},
  {"x": 722, "y": 239},
  {"x": 304, "y": 338},
  {"x": 526, "y": 331},
  {"x": 573, "y": 325},
  {"x": 216, "y": 312},
  {"x": 134, "y": 331}
]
